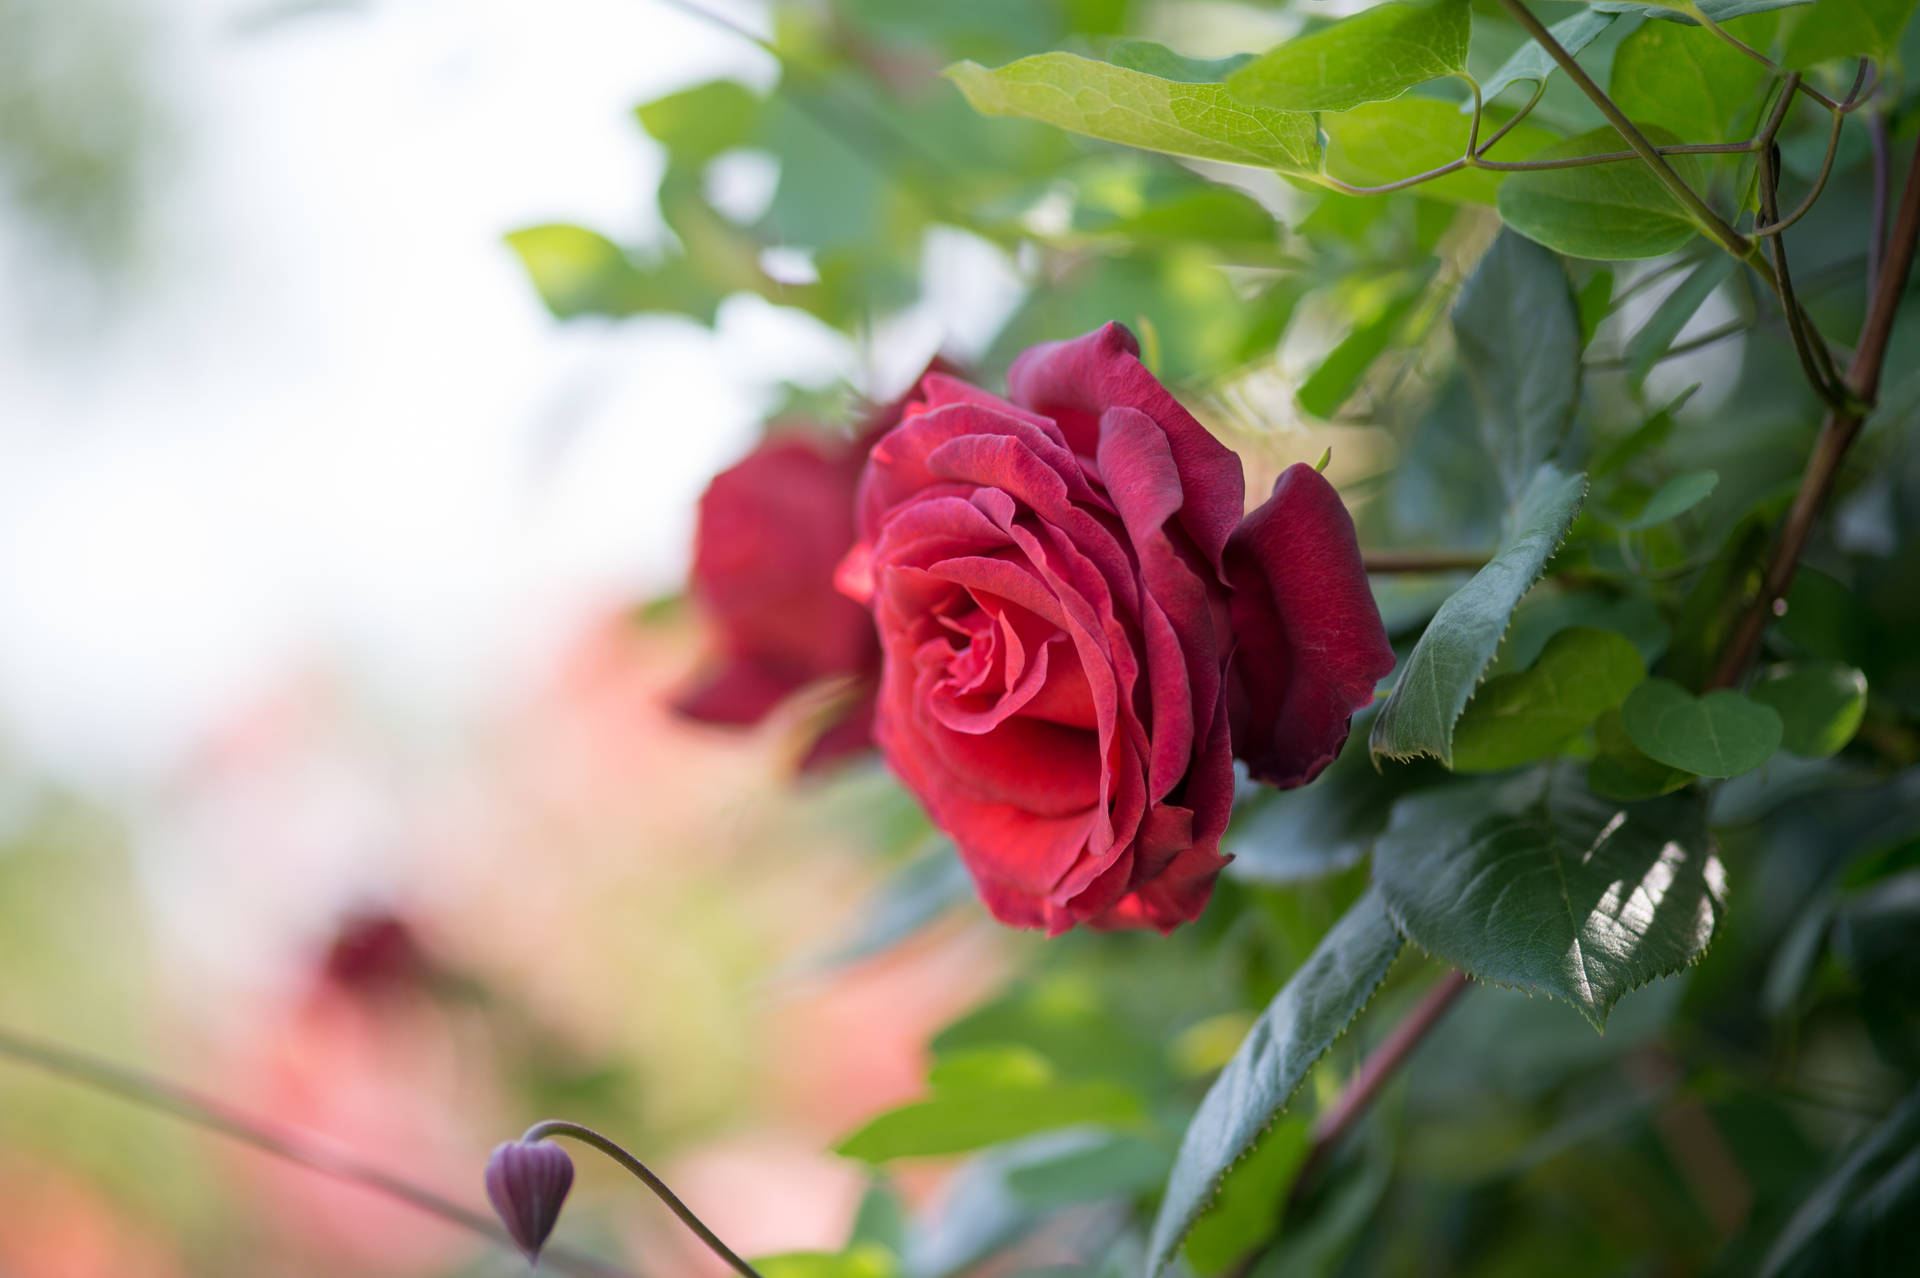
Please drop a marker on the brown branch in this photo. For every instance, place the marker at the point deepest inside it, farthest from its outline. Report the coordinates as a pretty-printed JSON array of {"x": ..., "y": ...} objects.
[{"x": 1837, "y": 433}]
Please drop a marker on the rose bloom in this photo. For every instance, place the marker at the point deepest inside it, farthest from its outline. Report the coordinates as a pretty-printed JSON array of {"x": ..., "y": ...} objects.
[
  {"x": 771, "y": 529},
  {"x": 1079, "y": 632}
]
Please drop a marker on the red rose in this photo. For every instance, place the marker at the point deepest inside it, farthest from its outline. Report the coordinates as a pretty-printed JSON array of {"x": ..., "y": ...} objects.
[{"x": 1059, "y": 581}]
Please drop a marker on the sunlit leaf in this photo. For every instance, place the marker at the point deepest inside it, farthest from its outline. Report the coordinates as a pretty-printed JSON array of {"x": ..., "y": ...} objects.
[
  {"x": 1114, "y": 104},
  {"x": 1375, "y": 55},
  {"x": 1384, "y": 142},
  {"x": 1530, "y": 880},
  {"x": 1312, "y": 1010},
  {"x": 1440, "y": 674}
]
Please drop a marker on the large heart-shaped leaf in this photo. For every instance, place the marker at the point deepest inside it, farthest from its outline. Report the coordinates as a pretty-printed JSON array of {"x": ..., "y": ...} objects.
[
  {"x": 1373, "y": 56},
  {"x": 1518, "y": 718},
  {"x": 1518, "y": 332},
  {"x": 1531, "y": 880},
  {"x": 1607, "y": 211},
  {"x": 1306, "y": 1016},
  {"x": 1719, "y": 735},
  {"x": 1446, "y": 664},
  {"x": 1687, "y": 80},
  {"x": 1847, "y": 29},
  {"x": 1116, "y": 104}
]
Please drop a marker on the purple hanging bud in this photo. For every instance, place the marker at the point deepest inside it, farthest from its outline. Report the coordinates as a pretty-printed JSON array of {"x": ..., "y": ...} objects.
[{"x": 527, "y": 1182}]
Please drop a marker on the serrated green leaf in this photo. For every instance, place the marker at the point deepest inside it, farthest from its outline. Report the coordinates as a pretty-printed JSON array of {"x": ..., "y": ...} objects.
[
  {"x": 1687, "y": 80},
  {"x": 1672, "y": 499},
  {"x": 1250, "y": 1199},
  {"x": 1608, "y": 211},
  {"x": 1383, "y": 142},
  {"x": 1518, "y": 718},
  {"x": 1446, "y": 664},
  {"x": 1373, "y": 56},
  {"x": 1820, "y": 703},
  {"x": 1149, "y": 58},
  {"x": 1672, "y": 315},
  {"x": 1532, "y": 63},
  {"x": 1312, "y": 1010},
  {"x": 1719, "y": 735},
  {"x": 1517, "y": 328},
  {"x": 1847, "y": 29},
  {"x": 1115, "y": 104},
  {"x": 1530, "y": 880},
  {"x": 1859, "y": 1220}
]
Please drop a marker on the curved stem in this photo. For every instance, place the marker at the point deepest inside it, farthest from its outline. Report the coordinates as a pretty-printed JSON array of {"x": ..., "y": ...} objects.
[
  {"x": 1613, "y": 157},
  {"x": 1730, "y": 239},
  {"x": 1819, "y": 184},
  {"x": 1539, "y": 91},
  {"x": 561, "y": 1127},
  {"x": 1730, "y": 329},
  {"x": 1804, "y": 341},
  {"x": 1346, "y": 188},
  {"x": 1837, "y": 434},
  {"x": 306, "y": 1151},
  {"x": 1694, "y": 11}
]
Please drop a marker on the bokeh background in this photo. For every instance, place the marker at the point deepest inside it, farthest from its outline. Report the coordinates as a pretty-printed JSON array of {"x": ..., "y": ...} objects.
[{"x": 336, "y": 777}]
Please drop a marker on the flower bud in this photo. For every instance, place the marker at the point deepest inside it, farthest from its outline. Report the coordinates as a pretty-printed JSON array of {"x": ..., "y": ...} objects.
[{"x": 527, "y": 1182}]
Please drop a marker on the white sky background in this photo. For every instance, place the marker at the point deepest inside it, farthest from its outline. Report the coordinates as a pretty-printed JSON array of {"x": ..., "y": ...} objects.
[{"x": 324, "y": 428}]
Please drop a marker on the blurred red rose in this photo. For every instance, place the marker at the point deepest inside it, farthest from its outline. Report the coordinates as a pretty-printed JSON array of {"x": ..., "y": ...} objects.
[
  {"x": 770, "y": 532},
  {"x": 1059, "y": 581}
]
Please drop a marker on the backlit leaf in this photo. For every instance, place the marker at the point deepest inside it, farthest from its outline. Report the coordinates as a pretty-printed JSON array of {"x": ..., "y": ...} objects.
[{"x": 1375, "y": 55}]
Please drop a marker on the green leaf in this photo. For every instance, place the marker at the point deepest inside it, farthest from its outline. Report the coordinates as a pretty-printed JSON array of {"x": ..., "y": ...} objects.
[
  {"x": 1532, "y": 63},
  {"x": 1820, "y": 703},
  {"x": 1312, "y": 1010},
  {"x": 1371, "y": 57},
  {"x": 1153, "y": 59},
  {"x": 1250, "y": 1198},
  {"x": 1545, "y": 614},
  {"x": 912, "y": 897},
  {"x": 699, "y": 123},
  {"x": 1114, "y": 1166},
  {"x": 1384, "y": 142},
  {"x": 982, "y": 1098},
  {"x": 1340, "y": 373},
  {"x": 1606, "y": 211},
  {"x": 1674, "y": 498},
  {"x": 1847, "y": 29},
  {"x": 1519, "y": 718},
  {"x": 1446, "y": 664},
  {"x": 1517, "y": 327},
  {"x": 1859, "y": 1220},
  {"x": 1687, "y": 80},
  {"x": 1676, "y": 10},
  {"x": 1719, "y": 735},
  {"x": 1620, "y": 771},
  {"x": 1530, "y": 880},
  {"x": 1115, "y": 104},
  {"x": 1672, "y": 315},
  {"x": 861, "y": 1261},
  {"x": 580, "y": 272}
]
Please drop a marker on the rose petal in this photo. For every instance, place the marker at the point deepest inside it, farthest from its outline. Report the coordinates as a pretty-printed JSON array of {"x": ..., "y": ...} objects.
[{"x": 1310, "y": 643}]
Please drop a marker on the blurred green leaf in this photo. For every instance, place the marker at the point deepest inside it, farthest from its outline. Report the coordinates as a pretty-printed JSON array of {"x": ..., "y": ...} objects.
[
  {"x": 1530, "y": 880},
  {"x": 1373, "y": 56},
  {"x": 1820, "y": 703},
  {"x": 984, "y": 1097},
  {"x": 699, "y": 123},
  {"x": 1518, "y": 718},
  {"x": 1620, "y": 771},
  {"x": 1609, "y": 211},
  {"x": 580, "y": 272},
  {"x": 1518, "y": 333},
  {"x": 1312, "y": 1010},
  {"x": 1721, "y": 734},
  {"x": 1115, "y": 1166},
  {"x": 1250, "y": 1200},
  {"x": 1153, "y": 59},
  {"x": 1672, "y": 499},
  {"x": 1545, "y": 613},
  {"x": 861, "y": 1261},
  {"x": 1673, "y": 314},
  {"x": 1446, "y": 664},
  {"x": 1676, "y": 10},
  {"x": 1859, "y": 1220},
  {"x": 1532, "y": 63},
  {"x": 912, "y": 897},
  {"x": 1847, "y": 29},
  {"x": 1115, "y": 104},
  {"x": 1346, "y": 365}
]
